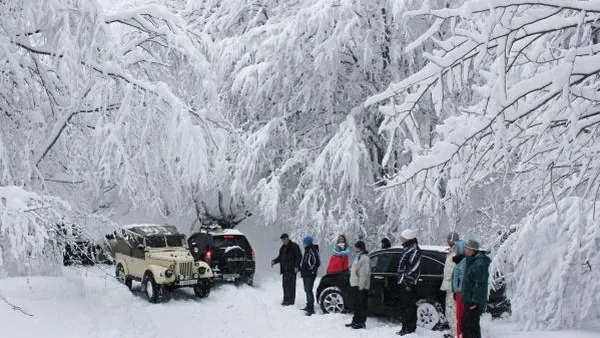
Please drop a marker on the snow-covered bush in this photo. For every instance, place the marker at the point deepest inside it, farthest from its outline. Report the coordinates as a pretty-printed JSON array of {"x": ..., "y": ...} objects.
[
  {"x": 28, "y": 222},
  {"x": 552, "y": 264}
]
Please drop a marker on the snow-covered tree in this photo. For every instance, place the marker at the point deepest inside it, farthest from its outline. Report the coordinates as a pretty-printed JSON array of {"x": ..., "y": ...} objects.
[
  {"x": 516, "y": 94},
  {"x": 97, "y": 101},
  {"x": 293, "y": 77},
  {"x": 28, "y": 223}
]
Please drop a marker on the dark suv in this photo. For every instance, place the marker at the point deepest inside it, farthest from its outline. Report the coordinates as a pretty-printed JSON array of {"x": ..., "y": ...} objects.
[
  {"x": 333, "y": 295},
  {"x": 227, "y": 251}
]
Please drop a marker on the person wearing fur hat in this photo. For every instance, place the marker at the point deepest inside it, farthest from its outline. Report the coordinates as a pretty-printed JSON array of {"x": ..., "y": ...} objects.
[
  {"x": 360, "y": 282},
  {"x": 409, "y": 271},
  {"x": 308, "y": 271}
]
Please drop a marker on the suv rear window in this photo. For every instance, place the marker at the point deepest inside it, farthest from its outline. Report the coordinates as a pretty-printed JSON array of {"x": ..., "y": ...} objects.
[{"x": 223, "y": 241}]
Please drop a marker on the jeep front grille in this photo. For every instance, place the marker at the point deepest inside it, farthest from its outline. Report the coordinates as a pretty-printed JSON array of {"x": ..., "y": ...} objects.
[{"x": 186, "y": 269}]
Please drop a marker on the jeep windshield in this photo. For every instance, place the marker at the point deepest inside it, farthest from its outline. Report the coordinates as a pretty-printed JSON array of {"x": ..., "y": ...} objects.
[{"x": 165, "y": 241}]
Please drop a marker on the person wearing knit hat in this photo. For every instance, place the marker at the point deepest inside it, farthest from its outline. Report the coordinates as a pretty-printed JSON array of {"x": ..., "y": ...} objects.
[
  {"x": 360, "y": 282},
  {"x": 308, "y": 271},
  {"x": 409, "y": 271}
]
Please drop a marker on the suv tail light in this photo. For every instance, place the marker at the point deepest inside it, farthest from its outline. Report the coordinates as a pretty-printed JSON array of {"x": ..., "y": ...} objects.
[
  {"x": 253, "y": 255},
  {"x": 208, "y": 256}
]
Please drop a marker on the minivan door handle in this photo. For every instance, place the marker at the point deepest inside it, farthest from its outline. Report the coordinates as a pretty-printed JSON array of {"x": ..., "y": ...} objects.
[{"x": 378, "y": 277}]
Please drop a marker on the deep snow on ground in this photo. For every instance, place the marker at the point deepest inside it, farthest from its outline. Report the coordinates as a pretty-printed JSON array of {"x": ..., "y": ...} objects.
[{"x": 90, "y": 303}]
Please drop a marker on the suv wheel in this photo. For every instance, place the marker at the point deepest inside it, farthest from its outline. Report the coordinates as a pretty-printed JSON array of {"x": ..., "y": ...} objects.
[
  {"x": 151, "y": 289},
  {"x": 121, "y": 277},
  {"x": 201, "y": 291},
  {"x": 332, "y": 300},
  {"x": 430, "y": 315}
]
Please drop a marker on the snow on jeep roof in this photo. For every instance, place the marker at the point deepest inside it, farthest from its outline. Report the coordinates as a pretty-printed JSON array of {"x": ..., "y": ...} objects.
[{"x": 152, "y": 229}]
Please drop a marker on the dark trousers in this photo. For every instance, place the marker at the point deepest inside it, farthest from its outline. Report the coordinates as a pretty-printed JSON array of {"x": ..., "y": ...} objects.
[
  {"x": 470, "y": 322},
  {"x": 408, "y": 309},
  {"x": 361, "y": 304},
  {"x": 309, "y": 283},
  {"x": 289, "y": 287}
]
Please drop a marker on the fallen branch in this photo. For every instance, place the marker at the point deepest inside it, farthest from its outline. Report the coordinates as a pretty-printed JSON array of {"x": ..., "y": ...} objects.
[{"x": 14, "y": 307}]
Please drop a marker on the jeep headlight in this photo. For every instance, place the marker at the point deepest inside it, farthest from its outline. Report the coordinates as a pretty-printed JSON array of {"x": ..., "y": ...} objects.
[
  {"x": 169, "y": 273},
  {"x": 201, "y": 270}
]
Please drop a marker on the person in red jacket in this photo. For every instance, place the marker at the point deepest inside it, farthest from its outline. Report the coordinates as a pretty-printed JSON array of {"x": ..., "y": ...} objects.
[{"x": 340, "y": 260}]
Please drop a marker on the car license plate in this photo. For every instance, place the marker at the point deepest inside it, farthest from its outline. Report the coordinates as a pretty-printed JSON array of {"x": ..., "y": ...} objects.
[
  {"x": 188, "y": 282},
  {"x": 231, "y": 277}
]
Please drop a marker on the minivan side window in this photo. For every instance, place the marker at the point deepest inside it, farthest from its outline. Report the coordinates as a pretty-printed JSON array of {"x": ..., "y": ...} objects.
[{"x": 431, "y": 266}]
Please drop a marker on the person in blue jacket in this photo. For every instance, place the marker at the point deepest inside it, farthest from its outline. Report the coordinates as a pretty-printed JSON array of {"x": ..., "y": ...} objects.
[{"x": 308, "y": 271}]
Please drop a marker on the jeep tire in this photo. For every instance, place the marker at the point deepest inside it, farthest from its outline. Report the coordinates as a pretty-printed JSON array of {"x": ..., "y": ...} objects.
[
  {"x": 150, "y": 288},
  {"x": 121, "y": 277},
  {"x": 201, "y": 291}
]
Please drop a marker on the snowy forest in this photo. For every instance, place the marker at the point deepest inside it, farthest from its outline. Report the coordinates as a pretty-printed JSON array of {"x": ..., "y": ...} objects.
[{"x": 362, "y": 117}]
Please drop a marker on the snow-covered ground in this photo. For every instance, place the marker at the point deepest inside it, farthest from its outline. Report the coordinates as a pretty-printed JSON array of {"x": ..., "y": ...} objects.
[{"x": 90, "y": 303}]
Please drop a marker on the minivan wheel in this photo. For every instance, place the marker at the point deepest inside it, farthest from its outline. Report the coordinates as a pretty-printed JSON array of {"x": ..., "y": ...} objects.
[
  {"x": 430, "y": 315},
  {"x": 332, "y": 300},
  {"x": 150, "y": 288},
  {"x": 121, "y": 277}
]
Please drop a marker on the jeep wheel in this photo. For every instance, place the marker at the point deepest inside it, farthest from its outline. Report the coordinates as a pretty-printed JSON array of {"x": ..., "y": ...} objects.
[
  {"x": 332, "y": 300},
  {"x": 430, "y": 315},
  {"x": 121, "y": 277},
  {"x": 151, "y": 289},
  {"x": 201, "y": 291}
]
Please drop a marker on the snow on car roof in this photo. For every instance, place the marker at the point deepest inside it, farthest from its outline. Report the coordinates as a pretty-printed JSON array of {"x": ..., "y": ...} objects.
[
  {"x": 152, "y": 229},
  {"x": 437, "y": 248}
]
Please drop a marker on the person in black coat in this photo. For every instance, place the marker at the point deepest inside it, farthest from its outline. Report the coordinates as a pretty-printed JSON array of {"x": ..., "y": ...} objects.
[
  {"x": 289, "y": 259},
  {"x": 308, "y": 270}
]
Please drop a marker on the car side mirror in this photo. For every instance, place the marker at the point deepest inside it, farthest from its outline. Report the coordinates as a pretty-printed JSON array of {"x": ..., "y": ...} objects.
[{"x": 141, "y": 246}]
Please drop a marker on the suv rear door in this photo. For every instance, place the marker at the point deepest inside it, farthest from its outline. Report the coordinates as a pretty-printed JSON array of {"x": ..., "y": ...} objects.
[{"x": 232, "y": 254}]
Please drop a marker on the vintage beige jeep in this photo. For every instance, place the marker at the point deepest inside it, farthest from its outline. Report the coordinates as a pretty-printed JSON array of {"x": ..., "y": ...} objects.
[{"x": 157, "y": 257}]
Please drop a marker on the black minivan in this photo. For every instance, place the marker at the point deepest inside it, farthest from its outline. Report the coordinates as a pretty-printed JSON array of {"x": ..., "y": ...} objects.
[{"x": 333, "y": 291}]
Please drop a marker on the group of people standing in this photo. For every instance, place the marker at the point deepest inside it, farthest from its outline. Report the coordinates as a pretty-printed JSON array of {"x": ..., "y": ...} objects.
[
  {"x": 465, "y": 279},
  {"x": 466, "y": 274}
]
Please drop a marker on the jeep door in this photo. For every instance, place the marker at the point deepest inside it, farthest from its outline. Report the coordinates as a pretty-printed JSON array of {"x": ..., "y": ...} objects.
[{"x": 136, "y": 260}]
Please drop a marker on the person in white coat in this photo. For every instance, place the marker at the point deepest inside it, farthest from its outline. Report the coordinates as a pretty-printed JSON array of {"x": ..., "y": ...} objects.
[
  {"x": 449, "y": 266},
  {"x": 360, "y": 282}
]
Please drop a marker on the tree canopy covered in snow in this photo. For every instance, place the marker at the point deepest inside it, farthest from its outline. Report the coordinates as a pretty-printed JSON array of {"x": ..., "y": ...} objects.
[{"x": 330, "y": 116}]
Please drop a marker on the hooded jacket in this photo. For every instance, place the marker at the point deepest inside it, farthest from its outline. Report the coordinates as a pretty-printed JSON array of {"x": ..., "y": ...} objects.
[
  {"x": 475, "y": 282},
  {"x": 310, "y": 261},
  {"x": 409, "y": 268},
  {"x": 459, "y": 270}
]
